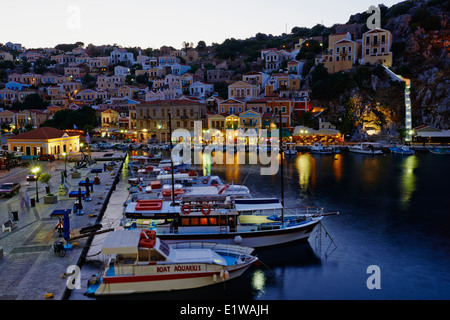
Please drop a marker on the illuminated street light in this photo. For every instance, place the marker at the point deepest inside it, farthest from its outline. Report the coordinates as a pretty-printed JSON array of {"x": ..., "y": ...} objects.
[{"x": 35, "y": 171}]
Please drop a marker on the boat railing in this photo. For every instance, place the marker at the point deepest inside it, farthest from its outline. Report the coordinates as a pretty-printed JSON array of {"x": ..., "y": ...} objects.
[
  {"x": 212, "y": 246},
  {"x": 303, "y": 211}
]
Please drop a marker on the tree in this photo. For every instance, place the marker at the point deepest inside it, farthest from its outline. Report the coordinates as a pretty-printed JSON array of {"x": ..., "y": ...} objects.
[{"x": 201, "y": 45}]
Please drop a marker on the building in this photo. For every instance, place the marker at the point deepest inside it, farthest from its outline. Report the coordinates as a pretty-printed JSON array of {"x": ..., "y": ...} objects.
[
  {"x": 121, "y": 55},
  {"x": 376, "y": 47},
  {"x": 218, "y": 75},
  {"x": 243, "y": 91},
  {"x": 6, "y": 56},
  {"x": 201, "y": 89},
  {"x": 355, "y": 30},
  {"x": 45, "y": 140},
  {"x": 152, "y": 118},
  {"x": 342, "y": 52}
]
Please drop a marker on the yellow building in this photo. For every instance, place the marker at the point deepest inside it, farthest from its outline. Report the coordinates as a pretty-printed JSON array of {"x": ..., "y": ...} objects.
[
  {"x": 342, "y": 52},
  {"x": 377, "y": 45},
  {"x": 243, "y": 91},
  {"x": 45, "y": 140}
]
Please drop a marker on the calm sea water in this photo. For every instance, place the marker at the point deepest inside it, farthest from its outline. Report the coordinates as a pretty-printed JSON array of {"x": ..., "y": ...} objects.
[{"x": 394, "y": 214}]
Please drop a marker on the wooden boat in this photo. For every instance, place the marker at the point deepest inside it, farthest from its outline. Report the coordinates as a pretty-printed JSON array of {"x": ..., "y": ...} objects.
[
  {"x": 141, "y": 262},
  {"x": 258, "y": 222},
  {"x": 365, "y": 148}
]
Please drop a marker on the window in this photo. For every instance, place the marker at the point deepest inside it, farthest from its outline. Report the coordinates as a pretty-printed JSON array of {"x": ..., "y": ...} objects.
[
  {"x": 383, "y": 39},
  {"x": 368, "y": 40},
  {"x": 337, "y": 58},
  {"x": 349, "y": 58},
  {"x": 367, "y": 51},
  {"x": 349, "y": 48},
  {"x": 337, "y": 49}
]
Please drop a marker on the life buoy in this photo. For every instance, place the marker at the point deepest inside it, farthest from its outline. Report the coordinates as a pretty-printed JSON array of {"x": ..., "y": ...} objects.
[
  {"x": 185, "y": 209},
  {"x": 205, "y": 181},
  {"x": 206, "y": 210}
]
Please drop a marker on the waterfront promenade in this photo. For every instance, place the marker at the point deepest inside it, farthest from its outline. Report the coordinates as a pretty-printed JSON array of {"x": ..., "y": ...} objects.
[{"x": 29, "y": 269}]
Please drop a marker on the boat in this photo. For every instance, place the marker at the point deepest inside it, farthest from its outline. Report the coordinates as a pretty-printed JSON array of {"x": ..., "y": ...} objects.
[
  {"x": 252, "y": 222},
  {"x": 140, "y": 262},
  {"x": 319, "y": 148},
  {"x": 437, "y": 150},
  {"x": 365, "y": 148},
  {"x": 404, "y": 150},
  {"x": 289, "y": 148}
]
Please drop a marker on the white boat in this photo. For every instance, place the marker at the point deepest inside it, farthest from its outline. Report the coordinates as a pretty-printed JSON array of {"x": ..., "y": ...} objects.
[
  {"x": 404, "y": 150},
  {"x": 365, "y": 148},
  {"x": 289, "y": 148},
  {"x": 321, "y": 149},
  {"x": 141, "y": 262},
  {"x": 255, "y": 223}
]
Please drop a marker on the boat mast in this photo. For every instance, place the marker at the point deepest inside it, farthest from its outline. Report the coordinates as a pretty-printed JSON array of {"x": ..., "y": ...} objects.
[
  {"x": 171, "y": 160},
  {"x": 281, "y": 165}
]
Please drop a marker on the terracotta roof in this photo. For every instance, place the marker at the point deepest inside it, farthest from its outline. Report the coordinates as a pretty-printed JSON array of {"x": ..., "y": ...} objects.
[{"x": 42, "y": 134}]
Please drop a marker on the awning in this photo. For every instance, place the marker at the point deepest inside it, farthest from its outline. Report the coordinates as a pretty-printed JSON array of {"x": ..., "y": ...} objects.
[
  {"x": 257, "y": 204},
  {"x": 434, "y": 134},
  {"x": 121, "y": 242}
]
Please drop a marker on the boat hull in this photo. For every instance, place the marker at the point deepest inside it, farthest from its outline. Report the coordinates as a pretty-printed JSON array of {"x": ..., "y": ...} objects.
[
  {"x": 254, "y": 239},
  {"x": 131, "y": 284},
  {"x": 365, "y": 151}
]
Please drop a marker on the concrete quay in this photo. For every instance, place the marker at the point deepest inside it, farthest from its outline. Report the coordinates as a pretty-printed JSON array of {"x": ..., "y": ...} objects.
[{"x": 29, "y": 269}]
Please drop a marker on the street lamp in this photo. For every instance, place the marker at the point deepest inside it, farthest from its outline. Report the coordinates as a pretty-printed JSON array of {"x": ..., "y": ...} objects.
[
  {"x": 65, "y": 162},
  {"x": 36, "y": 173}
]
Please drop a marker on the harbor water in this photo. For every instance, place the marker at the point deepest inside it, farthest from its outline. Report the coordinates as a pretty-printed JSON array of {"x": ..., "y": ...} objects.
[{"x": 392, "y": 230}]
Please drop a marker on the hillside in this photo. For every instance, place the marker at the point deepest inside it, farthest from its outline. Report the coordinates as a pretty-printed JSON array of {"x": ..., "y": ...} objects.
[{"x": 366, "y": 97}]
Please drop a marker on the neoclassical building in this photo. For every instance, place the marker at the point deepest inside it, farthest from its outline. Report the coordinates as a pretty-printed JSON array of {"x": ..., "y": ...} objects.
[{"x": 45, "y": 140}]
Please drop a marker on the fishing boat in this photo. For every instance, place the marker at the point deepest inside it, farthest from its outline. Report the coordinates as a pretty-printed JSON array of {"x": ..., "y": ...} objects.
[
  {"x": 140, "y": 262},
  {"x": 404, "y": 150},
  {"x": 252, "y": 222},
  {"x": 289, "y": 148},
  {"x": 365, "y": 148},
  {"x": 319, "y": 148},
  {"x": 437, "y": 150}
]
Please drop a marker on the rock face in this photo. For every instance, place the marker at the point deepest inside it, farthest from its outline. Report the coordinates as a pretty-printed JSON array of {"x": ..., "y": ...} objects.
[{"x": 425, "y": 59}]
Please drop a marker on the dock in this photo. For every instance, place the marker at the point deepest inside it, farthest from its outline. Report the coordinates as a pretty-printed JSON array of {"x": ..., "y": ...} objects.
[{"x": 29, "y": 268}]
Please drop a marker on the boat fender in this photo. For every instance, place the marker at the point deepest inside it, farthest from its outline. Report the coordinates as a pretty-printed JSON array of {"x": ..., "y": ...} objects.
[
  {"x": 237, "y": 239},
  {"x": 48, "y": 295},
  {"x": 206, "y": 210},
  {"x": 222, "y": 274},
  {"x": 226, "y": 275},
  {"x": 215, "y": 277},
  {"x": 205, "y": 181},
  {"x": 185, "y": 209}
]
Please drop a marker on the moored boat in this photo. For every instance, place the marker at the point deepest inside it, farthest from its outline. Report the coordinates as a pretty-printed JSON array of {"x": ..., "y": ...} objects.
[
  {"x": 365, "y": 148},
  {"x": 404, "y": 150},
  {"x": 258, "y": 222},
  {"x": 319, "y": 148},
  {"x": 141, "y": 262},
  {"x": 437, "y": 150}
]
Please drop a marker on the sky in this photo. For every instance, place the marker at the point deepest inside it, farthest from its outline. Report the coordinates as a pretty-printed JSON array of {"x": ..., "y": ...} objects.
[{"x": 150, "y": 23}]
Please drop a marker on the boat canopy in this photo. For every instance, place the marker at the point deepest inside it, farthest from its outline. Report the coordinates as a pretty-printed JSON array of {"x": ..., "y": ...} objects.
[
  {"x": 257, "y": 204},
  {"x": 121, "y": 242}
]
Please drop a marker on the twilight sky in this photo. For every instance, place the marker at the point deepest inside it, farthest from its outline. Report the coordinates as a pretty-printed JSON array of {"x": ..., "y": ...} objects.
[{"x": 151, "y": 23}]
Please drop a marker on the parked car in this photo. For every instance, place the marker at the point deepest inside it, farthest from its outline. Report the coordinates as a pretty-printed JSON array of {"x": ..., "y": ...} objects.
[
  {"x": 46, "y": 157},
  {"x": 9, "y": 189},
  {"x": 32, "y": 177}
]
